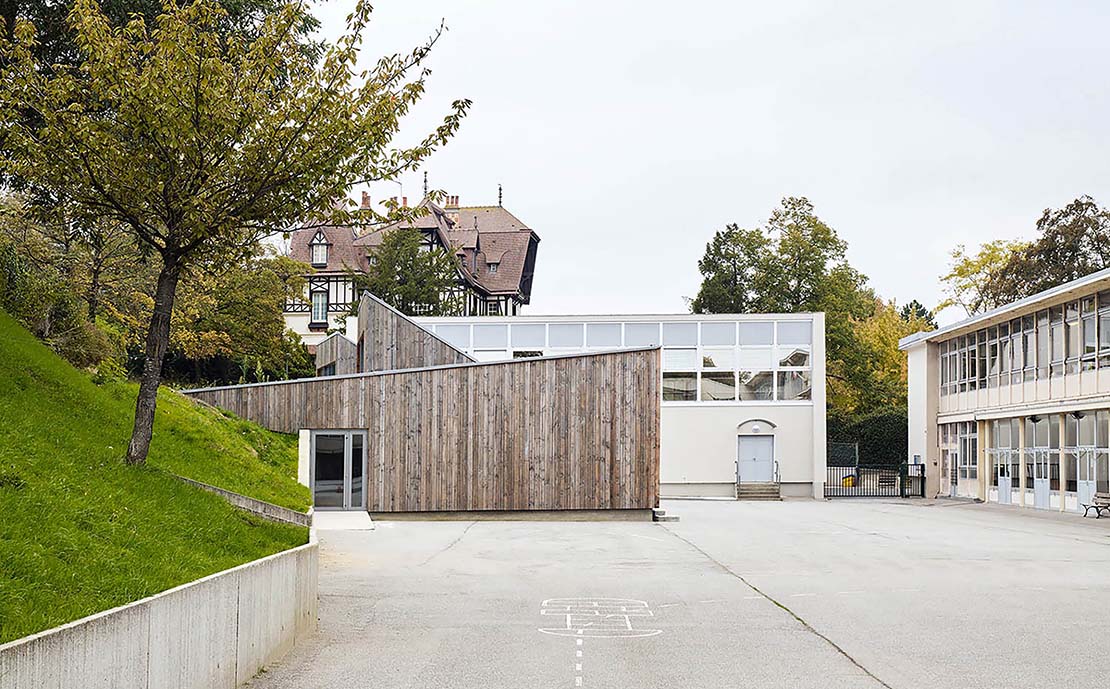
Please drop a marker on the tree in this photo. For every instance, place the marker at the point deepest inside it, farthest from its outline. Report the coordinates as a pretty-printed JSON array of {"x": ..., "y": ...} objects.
[
  {"x": 972, "y": 279},
  {"x": 202, "y": 141},
  {"x": 1071, "y": 243},
  {"x": 915, "y": 311},
  {"x": 795, "y": 263},
  {"x": 410, "y": 278},
  {"x": 55, "y": 42},
  {"x": 734, "y": 269},
  {"x": 810, "y": 260}
]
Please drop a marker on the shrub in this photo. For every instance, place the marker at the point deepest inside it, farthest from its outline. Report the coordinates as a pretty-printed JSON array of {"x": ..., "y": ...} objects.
[{"x": 883, "y": 436}]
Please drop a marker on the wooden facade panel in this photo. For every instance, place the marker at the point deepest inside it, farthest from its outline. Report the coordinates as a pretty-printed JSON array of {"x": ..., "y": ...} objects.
[
  {"x": 339, "y": 352},
  {"x": 390, "y": 341},
  {"x": 561, "y": 433}
]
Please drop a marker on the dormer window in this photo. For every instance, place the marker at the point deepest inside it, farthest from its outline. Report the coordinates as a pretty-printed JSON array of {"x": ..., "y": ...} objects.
[
  {"x": 493, "y": 268},
  {"x": 319, "y": 247}
]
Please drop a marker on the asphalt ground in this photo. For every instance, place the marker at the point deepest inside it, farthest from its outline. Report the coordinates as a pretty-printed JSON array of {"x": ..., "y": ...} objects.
[{"x": 792, "y": 594}]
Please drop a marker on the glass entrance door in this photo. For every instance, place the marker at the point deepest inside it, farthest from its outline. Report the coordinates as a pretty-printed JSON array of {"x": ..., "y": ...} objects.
[
  {"x": 338, "y": 479},
  {"x": 1042, "y": 478},
  {"x": 1086, "y": 474},
  {"x": 1004, "y": 481}
]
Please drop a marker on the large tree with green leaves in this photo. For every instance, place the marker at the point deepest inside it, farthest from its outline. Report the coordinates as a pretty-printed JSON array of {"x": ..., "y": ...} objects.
[
  {"x": 1071, "y": 242},
  {"x": 415, "y": 280},
  {"x": 734, "y": 272},
  {"x": 202, "y": 141},
  {"x": 972, "y": 281},
  {"x": 796, "y": 262}
]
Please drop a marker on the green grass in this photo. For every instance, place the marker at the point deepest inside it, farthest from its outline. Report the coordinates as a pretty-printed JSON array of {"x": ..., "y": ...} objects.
[{"x": 81, "y": 532}]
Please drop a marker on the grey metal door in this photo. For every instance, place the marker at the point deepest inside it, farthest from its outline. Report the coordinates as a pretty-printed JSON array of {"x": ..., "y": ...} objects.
[
  {"x": 755, "y": 461},
  {"x": 1041, "y": 479}
]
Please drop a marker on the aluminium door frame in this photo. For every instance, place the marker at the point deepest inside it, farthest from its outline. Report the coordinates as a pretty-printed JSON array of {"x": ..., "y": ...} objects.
[{"x": 348, "y": 467}]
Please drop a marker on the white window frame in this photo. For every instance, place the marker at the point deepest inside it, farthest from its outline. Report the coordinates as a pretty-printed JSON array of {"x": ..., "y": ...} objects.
[{"x": 315, "y": 306}]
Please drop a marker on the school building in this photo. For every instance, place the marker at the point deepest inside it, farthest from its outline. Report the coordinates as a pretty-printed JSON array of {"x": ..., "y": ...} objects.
[{"x": 1013, "y": 405}]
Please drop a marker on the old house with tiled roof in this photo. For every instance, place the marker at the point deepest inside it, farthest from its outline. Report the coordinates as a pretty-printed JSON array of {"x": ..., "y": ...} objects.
[{"x": 496, "y": 255}]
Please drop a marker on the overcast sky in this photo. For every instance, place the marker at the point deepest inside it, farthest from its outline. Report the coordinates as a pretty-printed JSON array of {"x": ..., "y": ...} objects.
[{"x": 626, "y": 133}]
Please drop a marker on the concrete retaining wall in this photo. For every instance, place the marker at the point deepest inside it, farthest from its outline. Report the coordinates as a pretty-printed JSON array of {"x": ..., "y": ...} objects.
[
  {"x": 213, "y": 633},
  {"x": 266, "y": 510}
]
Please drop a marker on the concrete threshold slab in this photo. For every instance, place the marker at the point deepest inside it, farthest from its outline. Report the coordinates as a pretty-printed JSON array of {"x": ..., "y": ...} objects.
[{"x": 353, "y": 520}]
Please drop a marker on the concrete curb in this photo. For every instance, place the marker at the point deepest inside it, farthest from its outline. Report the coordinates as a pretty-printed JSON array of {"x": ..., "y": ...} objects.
[{"x": 263, "y": 509}]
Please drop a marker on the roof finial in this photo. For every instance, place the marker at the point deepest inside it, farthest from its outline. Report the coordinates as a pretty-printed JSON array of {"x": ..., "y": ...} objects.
[
  {"x": 498, "y": 195},
  {"x": 425, "y": 184}
]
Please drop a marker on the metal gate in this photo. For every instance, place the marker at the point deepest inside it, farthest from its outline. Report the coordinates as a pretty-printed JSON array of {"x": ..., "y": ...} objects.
[{"x": 905, "y": 481}]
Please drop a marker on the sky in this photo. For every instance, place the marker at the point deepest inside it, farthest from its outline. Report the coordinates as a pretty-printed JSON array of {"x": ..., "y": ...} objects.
[{"x": 626, "y": 133}]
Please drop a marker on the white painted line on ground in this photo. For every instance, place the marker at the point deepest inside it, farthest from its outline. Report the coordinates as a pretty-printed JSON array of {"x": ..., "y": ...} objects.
[
  {"x": 713, "y": 600},
  {"x": 578, "y": 667},
  {"x": 669, "y": 605},
  {"x": 577, "y": 681},
  {"x": 579, "y": 641},
  {"x": 578, "y": 654},
  {"x": 849, "y": 593},
  {"x": 802, "y": 595}
]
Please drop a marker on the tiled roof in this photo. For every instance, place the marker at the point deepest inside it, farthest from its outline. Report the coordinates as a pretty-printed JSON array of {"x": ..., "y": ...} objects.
[
  {"x": 509, "y": 250},
  {"x": 489, "y": 219},
  {"x": 482, "y": 235},
  {"x": 342, "y": 253}
]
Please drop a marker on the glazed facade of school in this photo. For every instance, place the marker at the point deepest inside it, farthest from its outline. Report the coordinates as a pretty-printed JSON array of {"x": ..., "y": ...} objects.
[
  {"x": 725, "y": 380},
  {"x": 1014, "y": 406}
]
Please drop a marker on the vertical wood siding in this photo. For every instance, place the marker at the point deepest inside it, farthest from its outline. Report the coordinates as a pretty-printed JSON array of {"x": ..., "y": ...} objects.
[
  {"x": 564, "y": 433},
  {"x": 390, "y": 341},
  {"x": 340, "y": 351}
]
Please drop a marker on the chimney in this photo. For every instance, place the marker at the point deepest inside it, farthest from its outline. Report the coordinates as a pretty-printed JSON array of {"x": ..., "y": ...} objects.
[
  {"x": 365, "y": 201},
  {"x": 452, "y": 209},
  {"x": 405, "y": 201}
]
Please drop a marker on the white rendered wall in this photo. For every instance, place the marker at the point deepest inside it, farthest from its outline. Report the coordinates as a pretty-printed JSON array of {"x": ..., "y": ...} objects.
[
  {"x": 698, "y": 443},
  {"x": 298, "y": 323},
  {"x": 921, "y": 406}
]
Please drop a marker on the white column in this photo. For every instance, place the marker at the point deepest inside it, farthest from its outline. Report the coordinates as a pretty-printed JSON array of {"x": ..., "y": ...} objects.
[
  {"x": 304, "y": 443},
  {"x": 817, "y": 392},
  {"x": 982, "y": 460},
  {"x": 1063, "y": 420}
]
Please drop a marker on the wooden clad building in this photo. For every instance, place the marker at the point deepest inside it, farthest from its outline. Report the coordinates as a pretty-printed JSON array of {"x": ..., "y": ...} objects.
[
  {"x": 425, "y": 429},
  {"x": 389, "y": 341}
]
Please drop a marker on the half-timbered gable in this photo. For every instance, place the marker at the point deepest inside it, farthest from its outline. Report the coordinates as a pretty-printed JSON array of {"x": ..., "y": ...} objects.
[{"x": 496, "y": 255}]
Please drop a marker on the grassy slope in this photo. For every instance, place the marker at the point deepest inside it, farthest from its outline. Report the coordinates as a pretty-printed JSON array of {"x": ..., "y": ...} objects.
[{"x": 79, "y": 531}]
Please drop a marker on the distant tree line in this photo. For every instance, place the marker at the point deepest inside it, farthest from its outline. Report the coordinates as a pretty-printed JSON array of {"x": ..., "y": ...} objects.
[
  {"x": 1070, "y": 243},
  {"x": 796, "y": 262}
]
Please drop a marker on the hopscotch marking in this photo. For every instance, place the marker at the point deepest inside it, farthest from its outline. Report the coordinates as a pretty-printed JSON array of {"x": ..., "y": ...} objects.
[{"x": 598, "y": 618}]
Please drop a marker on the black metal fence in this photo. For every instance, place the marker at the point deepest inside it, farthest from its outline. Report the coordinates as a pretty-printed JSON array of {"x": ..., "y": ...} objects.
[{"x": 905, "y": 481}]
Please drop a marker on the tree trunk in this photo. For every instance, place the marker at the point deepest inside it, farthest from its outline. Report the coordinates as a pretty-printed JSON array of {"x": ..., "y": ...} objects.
[
  {"x": 93, "y": 296},
  {"x": 157, "y": 340}
]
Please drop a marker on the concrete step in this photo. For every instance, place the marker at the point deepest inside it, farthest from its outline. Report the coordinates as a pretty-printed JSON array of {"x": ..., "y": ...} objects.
[
  {"x": 659, "y": 515},
  {"x": 758, "y": 491}
]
